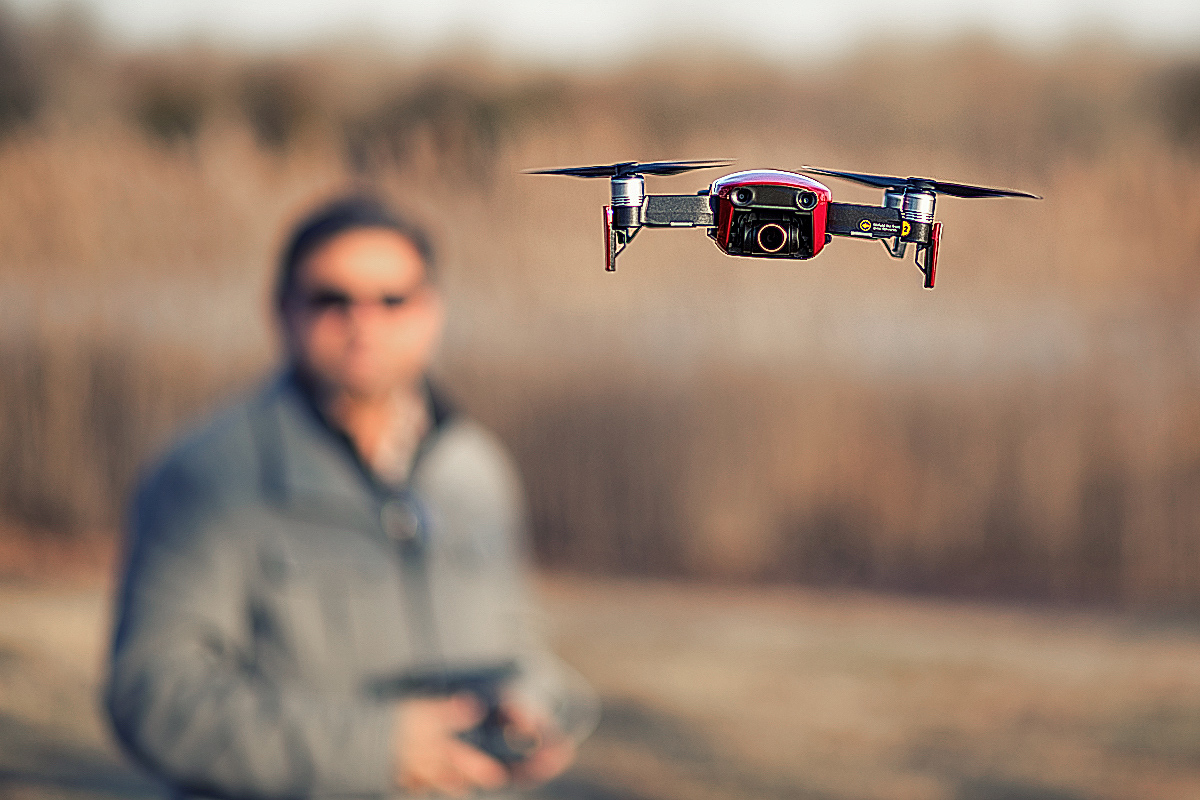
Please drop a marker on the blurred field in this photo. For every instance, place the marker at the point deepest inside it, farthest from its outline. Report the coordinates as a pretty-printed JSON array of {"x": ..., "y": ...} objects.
[
  {"x": 746, "y": 694},
  {"x": 801, "y": 480},
  {"x": 1028, "y": 430}
]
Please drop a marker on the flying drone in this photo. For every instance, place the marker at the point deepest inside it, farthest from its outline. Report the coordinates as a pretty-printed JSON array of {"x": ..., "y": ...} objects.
[{"x": 769, "y": 213}]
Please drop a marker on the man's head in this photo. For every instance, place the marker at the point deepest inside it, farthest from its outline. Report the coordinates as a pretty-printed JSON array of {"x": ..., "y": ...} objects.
[{"x": 360, "y": 315}]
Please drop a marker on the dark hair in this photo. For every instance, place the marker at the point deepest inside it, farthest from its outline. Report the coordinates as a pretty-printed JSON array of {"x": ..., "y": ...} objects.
[{"x": 335, "y": 218}]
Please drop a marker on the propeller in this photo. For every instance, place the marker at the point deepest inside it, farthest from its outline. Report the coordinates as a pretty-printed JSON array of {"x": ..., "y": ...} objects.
[
  {"x": 627, "y": 169},
  {"x": 920, "y": 184}
]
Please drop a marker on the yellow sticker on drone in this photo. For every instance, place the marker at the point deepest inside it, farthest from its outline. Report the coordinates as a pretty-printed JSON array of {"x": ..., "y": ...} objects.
[
  {"x": 905, "y": 228},
  {"x": 865, "y": 226}
]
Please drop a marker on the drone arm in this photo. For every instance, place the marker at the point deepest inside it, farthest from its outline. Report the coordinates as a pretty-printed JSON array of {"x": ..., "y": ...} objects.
[
  {"x": 875, "y": 222},
  {"x": 677, "y": 211},
  {"x": 881, "y": 222},
  {"x": 621, "y": 223}
]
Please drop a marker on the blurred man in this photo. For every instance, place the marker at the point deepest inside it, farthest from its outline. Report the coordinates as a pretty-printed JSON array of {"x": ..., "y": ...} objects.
[{"x": 308, "y": 573}]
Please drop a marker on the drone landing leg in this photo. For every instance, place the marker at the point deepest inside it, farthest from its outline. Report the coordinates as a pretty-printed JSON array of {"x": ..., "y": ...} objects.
[
  {"x": 610, "y": 242},
  {"x": 927, "y": 255},
  {"x": 615, "y": 240}
]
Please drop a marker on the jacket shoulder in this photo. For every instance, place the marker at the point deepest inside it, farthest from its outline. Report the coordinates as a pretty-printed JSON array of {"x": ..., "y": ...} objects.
[
  {"x": 217, "y": 462},
  {"x": 472, "y": 457},
  {"x": 473, "y": 493}
]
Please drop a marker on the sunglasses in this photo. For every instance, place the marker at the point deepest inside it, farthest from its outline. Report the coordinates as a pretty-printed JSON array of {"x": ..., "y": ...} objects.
[{"x": 325, "y": 301}]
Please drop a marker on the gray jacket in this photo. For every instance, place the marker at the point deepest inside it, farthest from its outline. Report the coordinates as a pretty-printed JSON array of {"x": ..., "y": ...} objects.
[{"x": 272, "y": 588}]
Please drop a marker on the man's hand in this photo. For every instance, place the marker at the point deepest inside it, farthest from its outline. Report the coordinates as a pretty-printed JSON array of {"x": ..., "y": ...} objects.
[
  {"x": 552, "y": 753},
  {"x": 429, "y": 755}
]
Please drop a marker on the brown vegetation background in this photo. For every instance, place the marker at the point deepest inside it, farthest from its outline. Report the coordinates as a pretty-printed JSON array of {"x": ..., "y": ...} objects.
[{"x": 1029, "y": 429}]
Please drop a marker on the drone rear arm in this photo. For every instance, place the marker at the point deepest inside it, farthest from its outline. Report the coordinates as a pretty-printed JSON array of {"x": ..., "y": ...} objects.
[
  {"x": 885, "y": 222},
  {"x": 621, "y": 223},
  {"x": 678, "y": 211},
  {"x": 875, "y": 222}
]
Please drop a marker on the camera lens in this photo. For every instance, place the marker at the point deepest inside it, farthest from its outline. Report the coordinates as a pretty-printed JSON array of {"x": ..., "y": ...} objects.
[
  {"x": 806, "y": 200},
  {"x": 772, "y": 237},
  {"x": 742, "y": 196}
]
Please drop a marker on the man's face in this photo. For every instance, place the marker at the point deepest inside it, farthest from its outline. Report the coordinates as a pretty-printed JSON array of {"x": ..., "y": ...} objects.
[{"x": 362, "y": 318}]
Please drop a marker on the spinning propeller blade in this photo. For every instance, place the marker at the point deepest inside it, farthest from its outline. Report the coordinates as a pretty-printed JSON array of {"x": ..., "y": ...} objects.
[
  {"x": 925, "y": 184},
  {"x": 629, "y": 168}
]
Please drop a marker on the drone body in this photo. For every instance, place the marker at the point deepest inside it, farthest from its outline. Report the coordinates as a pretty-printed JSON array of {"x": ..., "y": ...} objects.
[
  {"x": 775, "y": 214},
  {"x": 770, "y": 213}
]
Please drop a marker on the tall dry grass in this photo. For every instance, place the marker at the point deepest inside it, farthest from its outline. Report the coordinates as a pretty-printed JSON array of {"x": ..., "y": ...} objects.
[{"x": 1029, "y": 429}]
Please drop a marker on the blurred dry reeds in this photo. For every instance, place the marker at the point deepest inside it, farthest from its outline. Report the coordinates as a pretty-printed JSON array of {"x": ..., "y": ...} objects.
[{"x": 1029, "y": 429}]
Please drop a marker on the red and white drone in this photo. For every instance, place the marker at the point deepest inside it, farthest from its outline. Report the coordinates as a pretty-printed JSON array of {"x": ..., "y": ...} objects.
[{"x": 769, "y": 213}]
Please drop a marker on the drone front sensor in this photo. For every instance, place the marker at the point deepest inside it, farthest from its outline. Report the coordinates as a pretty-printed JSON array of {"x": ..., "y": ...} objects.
[{"x": 770, "y": 213}]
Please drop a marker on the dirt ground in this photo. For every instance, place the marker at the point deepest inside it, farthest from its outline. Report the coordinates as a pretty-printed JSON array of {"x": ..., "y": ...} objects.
[{"x": 714, "y": 693}]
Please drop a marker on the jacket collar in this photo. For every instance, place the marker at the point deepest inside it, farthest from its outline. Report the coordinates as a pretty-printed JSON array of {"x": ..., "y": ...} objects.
[{"x": 308, "y": 464}]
